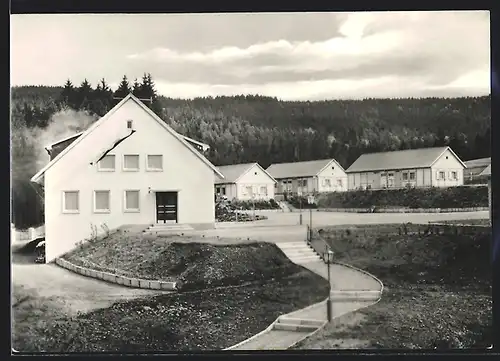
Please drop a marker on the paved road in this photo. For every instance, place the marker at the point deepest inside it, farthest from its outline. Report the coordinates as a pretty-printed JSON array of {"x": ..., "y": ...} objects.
[
  {"x": 76, "y": 292},
  {"x": 337, "y": 218}
]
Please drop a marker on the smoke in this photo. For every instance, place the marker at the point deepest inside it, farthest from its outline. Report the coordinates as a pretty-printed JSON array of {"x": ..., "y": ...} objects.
[{"x": 28, "y": 145}]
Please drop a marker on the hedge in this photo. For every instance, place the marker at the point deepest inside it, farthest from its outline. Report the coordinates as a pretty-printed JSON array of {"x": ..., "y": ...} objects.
[
  {"x": 452, "y": 197},
  {"x": 259, "y": 204}
]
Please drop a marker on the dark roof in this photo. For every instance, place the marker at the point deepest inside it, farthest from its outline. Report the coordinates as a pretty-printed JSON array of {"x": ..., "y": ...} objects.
[
  {"x": 401, "y": 159},
  {"x": 481, "y": 162},
  {"x": 234, "y": 171},
  {"x": 298, "y": 169}
]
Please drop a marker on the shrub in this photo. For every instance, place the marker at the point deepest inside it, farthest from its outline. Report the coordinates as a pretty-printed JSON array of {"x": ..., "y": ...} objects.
[
  {"x": 452, "y": 197},
  {"x": 258, "y": 204}
]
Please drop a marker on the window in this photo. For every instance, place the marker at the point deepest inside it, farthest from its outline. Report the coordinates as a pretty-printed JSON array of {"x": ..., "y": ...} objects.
[
  {"x": 440, "y": 175},
  {"x": 249, "y": 190},
  {"x": 412, "y": 175},
  {"x": 132, "y": 201},
  {"x": 71, "y": 202},
  {"x": 263, "y": 190},
  {"x": 339, "y": 182},
  {"x": 154, "y": 163},
  {"x": 131, "y": 162},
  {"x": 326, "y": 182},
  {"x": 405, "y": 176},
  {"x": 107, "y": 164},
  {"x": 129, "y": 124},
  {"x": 223, "y": 191},
  {"x": 454, "y": 175},
  {"x": 101, "y": 202}
]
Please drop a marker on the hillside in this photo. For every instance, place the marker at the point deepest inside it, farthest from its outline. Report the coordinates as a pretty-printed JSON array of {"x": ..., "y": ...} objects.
[{"x": 262, "y": 129}]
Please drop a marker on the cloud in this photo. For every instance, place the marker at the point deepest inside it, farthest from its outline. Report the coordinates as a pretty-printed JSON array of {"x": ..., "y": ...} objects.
[
  {"x": 412, "y": 53},
  {"x": 437, "y": 47}
]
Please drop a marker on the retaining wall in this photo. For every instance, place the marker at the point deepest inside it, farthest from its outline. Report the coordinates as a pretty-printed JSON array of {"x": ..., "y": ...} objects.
[{"x": 116, "y": 279}]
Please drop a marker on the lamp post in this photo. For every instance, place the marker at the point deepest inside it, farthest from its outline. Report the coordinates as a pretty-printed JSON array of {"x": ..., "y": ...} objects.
[
  {"x": 310, "y": 201},
  {"x": 299, "y": 193},
  {"x": 329, "y": 258}
]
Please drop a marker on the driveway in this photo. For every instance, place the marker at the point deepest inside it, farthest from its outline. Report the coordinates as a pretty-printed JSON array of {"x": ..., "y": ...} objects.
[{"x": 72, "y": 291}]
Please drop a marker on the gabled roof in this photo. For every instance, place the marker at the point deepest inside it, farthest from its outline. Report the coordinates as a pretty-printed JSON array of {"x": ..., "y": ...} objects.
[
  {"x": 481, "y": 162},
  {"x": 400, "y": 159},
  {"x": 98, "y": 123},
  {"x": 486, "y": 171},
  {"x": 49, "y": 147},
  {"x": 232, "y": 173},
  {"x": 300, "y": 169}
]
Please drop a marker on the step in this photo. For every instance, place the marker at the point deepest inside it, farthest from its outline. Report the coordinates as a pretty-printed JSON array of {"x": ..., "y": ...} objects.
[
  {"x": 294, "y": 327},
  {"x": 304, "y": 260},
  {"x": 355, "y": 295},
  {"x": 297, "y": 244},
  {"x": 300, "y": 321},
  {"x": 297, "y": 249}
]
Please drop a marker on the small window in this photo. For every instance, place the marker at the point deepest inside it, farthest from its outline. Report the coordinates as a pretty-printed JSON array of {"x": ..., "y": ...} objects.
[
  {"x": 249, "y": 191},
  {"x": 412, "y": 175},
  {"x": 155, "y": 163},
  {"x": 405, "y": 176},
  {"x": 454, "y": 175},
  {"x": 131, "y": 162},
  {"x": 107, "y": 164},
  {"x": 263, "y": 190},
  {"x": 101, "y": 202},
  {"x": 223, "y": 191},
  {"x": 255, "y": 173},
  {"x": 131, "y": 201},
  {"x": 339, "y": 182},
  {"x": 441, "y": 175},
  {"x": 327, "y": 182},
  {"x": 129, "y": 124},
  {"x": 71, "y": 202}
]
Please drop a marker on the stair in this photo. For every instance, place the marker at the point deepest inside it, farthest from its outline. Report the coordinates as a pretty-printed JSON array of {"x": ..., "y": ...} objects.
[
  {"x": 297, "y": 325},
  {"x": 284, "y": 206},
  {"x": 168, "y": 228},
  {"x": 298, "y": 252}
]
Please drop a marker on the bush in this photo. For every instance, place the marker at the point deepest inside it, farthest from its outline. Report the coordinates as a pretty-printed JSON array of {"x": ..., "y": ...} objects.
[
  {"x": 452, "y": 197},
  {"x": 301, "y": 202},
  {"x": 258, "y": 204}
]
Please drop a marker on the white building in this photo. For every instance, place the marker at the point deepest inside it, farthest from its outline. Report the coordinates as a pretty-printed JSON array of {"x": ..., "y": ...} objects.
[
  {"x": 245, "y": 182},
  {"x": 424, "y": 167},
  {"x": 315, "y": 176},
  {"x": 128, "y": 168}
]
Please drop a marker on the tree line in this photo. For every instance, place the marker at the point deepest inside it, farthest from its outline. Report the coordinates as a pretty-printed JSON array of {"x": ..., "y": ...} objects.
[{"x": 254, "y": 128}]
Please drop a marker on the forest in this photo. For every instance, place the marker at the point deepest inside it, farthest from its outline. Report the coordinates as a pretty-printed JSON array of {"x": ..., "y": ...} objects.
[{"x": 245, "y": 128}]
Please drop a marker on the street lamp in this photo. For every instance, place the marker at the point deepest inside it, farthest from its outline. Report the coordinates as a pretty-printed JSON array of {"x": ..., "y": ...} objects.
[
  {"x": 310, "y": 201},
  {"x": 329, "y": 259}
]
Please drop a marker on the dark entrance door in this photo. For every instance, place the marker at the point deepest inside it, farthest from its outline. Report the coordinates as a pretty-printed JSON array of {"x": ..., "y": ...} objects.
[{"x": 166, "y": 207}]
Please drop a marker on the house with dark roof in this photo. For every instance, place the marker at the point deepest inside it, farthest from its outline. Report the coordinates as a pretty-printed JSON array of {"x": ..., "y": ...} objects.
[
  {"x": 425, "y": 167},
  {"x": 475, "y": 167},
  {"x": 127, "y": 168},
  {"x": 308, "y": 177},
  {"x": 487, "y": 174},
  {"x": 245, "y": 182}
]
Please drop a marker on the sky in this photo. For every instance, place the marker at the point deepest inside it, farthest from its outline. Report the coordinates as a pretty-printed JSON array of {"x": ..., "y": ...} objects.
[{"x": 291, "y": 56}]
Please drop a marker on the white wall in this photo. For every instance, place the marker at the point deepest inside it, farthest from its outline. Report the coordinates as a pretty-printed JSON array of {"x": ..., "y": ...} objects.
[
  {"x": 256, "y": 178},
  {"x": 334, "y": 173},
  {"x": 183, "y": 172},
  {"x": 447, "y": 163},
  {"x": 230, "y": 190}
]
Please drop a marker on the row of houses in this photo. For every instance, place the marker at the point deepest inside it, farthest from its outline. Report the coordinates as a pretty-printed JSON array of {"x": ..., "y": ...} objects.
[
  {"x": 416, "y": 168},
  {"x": 132, "y": 168}
]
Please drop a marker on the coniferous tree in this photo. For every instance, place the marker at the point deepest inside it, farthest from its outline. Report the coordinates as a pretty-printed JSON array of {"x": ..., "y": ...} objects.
[
  {"x": 123, "y": 89},
  {"x": 84, "y": 92}
]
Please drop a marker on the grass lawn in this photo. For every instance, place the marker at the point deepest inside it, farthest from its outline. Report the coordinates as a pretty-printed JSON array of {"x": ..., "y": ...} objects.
[
  {"x": 482, "y": 222},
  {"x": 256, "y": 283},
  {"x": 190, "y": 262},
  {"x": 437, "y": 295}
]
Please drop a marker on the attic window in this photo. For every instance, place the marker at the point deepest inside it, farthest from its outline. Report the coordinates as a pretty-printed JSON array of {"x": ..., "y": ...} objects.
[
  {"x": 129, "y": 124},
  {"x": 255, "y": 173},
  {"x": 446, "y": 157},
  {"x": 333, "y": 167}
]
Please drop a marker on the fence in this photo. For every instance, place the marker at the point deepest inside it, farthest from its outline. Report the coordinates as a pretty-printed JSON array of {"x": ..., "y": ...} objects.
[
  {"x": 26, "y": 235},
  {"x": 317, "y": 243}
]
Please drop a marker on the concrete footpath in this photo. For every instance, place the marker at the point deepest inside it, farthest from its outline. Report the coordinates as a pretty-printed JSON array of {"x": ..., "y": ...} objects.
[{"x": 343, "y": 278}]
